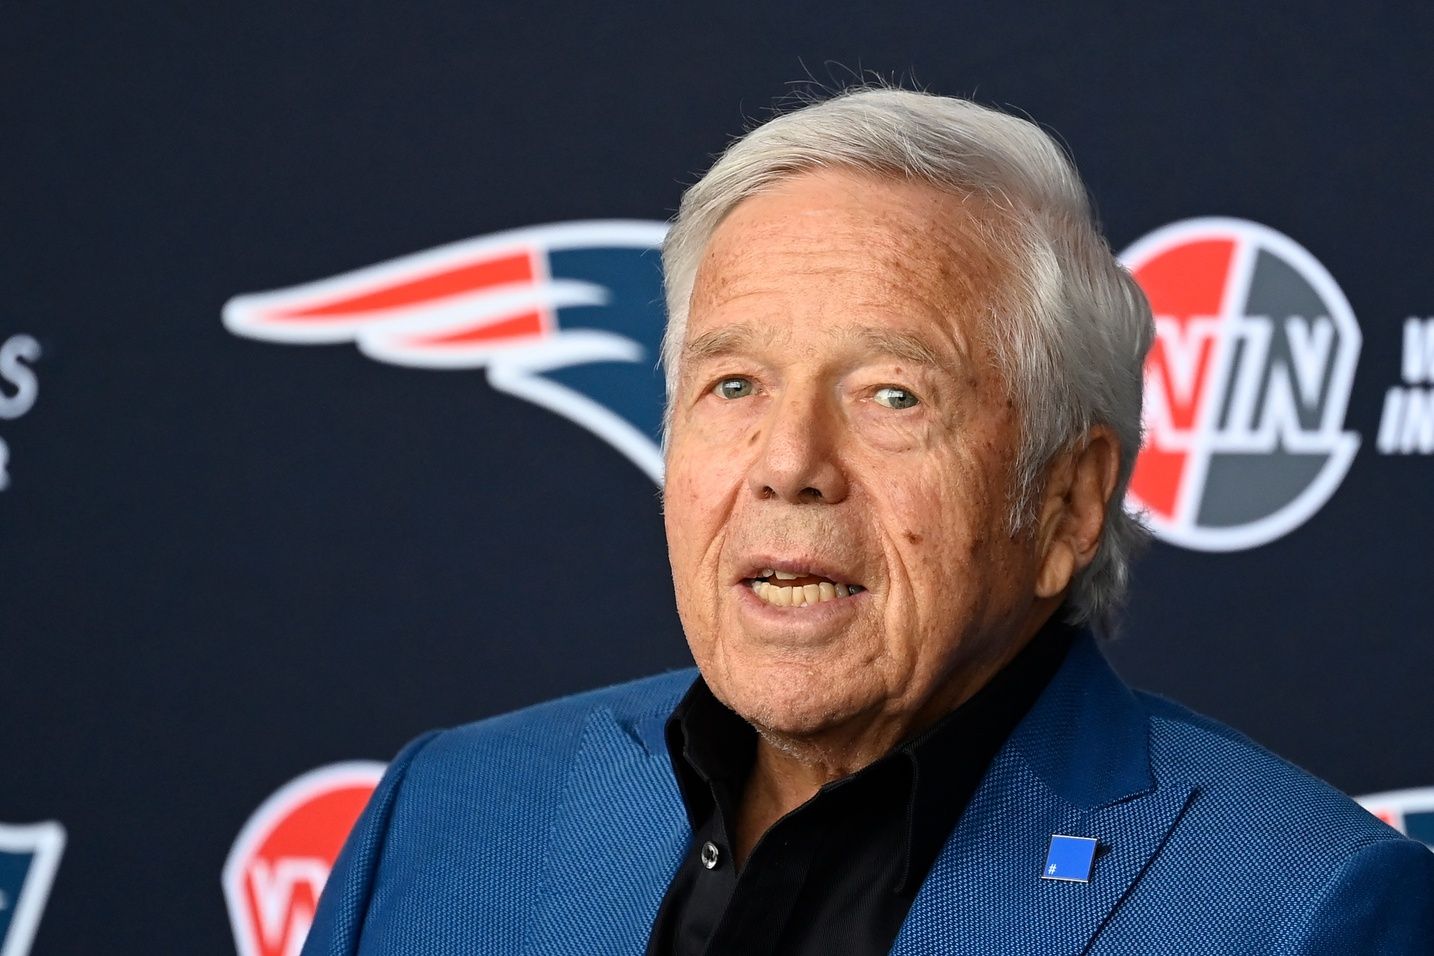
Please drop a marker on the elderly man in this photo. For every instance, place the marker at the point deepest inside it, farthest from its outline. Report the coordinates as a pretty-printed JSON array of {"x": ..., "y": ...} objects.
[{"x": 904, "y": 386}]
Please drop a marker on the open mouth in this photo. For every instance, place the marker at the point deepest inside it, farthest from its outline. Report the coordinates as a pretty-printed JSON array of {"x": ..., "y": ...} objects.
[{"x": 788, "y": 589}]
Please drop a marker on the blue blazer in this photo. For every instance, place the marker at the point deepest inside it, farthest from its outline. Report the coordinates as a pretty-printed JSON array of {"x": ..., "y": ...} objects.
[{"x": 556, "y": 829}]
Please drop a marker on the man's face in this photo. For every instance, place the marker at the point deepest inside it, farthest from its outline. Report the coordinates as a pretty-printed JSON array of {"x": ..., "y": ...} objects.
[{"x": 839, "y": 418}]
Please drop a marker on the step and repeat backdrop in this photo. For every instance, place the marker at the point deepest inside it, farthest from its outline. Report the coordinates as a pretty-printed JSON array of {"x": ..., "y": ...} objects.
[{"x": 328, "y": 407}]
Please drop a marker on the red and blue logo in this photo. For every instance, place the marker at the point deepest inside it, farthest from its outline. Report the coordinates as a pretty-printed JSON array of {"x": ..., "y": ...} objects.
[
  {"x": 568, "y": 316},
  {"x": 281, "y": 860},
  {"x": 1246, "y": 385}
]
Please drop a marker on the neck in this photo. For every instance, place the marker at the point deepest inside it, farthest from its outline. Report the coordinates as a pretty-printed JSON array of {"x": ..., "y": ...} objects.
[{"x": 788, "y": 770}]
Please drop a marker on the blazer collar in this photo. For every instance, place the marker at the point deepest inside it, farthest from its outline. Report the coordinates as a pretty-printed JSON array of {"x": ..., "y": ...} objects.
[
  {"x": 1079, "y": 765},
  {"x": 1086, "y": 736},
  {"x": 618, "y": 836}
]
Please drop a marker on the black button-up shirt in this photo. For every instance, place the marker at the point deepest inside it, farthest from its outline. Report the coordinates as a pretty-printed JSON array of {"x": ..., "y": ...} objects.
[{"x": 837, "y": 874}]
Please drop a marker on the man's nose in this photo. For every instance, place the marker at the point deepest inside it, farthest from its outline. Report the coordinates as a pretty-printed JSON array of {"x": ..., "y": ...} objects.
[{"x": 798, "y": 458}]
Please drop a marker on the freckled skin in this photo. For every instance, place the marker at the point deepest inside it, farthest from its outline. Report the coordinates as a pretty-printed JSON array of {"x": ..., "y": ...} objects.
[{"x": 912, "y": 503}]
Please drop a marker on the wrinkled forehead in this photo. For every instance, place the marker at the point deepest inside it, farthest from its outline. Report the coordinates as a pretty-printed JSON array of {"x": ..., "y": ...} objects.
[{"x": 889, "y": 240}]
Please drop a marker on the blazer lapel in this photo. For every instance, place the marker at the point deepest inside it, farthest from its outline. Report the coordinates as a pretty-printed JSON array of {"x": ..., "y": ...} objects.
[
  {"x": 1078, "y": 765},
  {"x": 619, "y": 835}
]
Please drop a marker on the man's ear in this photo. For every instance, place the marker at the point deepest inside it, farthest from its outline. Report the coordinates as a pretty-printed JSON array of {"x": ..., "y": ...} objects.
[{"x": 1078, "y": 487}]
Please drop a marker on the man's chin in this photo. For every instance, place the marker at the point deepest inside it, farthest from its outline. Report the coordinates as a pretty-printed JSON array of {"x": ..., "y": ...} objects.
[{"x": 783, "y": 703}]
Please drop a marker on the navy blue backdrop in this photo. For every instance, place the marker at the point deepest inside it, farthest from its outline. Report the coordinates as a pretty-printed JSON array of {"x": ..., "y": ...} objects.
[{"x": 226, "y": 560}]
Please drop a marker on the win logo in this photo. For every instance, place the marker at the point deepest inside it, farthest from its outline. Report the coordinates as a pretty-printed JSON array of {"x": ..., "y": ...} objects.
[
  {"x": 1246, "y": 385},
  {"x": 281, "y": 860},
  {"x": 1411, "y": 812}
]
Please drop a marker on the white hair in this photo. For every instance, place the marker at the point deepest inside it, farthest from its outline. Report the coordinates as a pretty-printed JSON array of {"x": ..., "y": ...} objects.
[{"x": 1071, "y": 329}]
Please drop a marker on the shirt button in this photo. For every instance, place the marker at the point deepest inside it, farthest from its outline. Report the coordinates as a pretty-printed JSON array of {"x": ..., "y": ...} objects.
[{"x": 710, "y": 855}]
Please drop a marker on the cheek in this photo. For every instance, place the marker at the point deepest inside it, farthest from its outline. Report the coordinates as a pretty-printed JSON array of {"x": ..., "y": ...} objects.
[
  {"x": 931, "y": 504},
  {"x": 697, "y": 497},
  {"x": 943, "y": 519},
  {"x": 684, "y": 548},
  {"x": 682, "y": 498},
  {"x": 694, "y": 489},
  {"x": 709, "y": 452}
]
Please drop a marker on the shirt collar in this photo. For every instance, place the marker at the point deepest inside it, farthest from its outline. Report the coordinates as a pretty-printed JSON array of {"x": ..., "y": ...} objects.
[{"x": 712, "y": 750}]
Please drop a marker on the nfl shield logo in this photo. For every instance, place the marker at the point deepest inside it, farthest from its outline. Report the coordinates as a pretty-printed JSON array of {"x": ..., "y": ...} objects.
[{"x": 29, "y": 856}]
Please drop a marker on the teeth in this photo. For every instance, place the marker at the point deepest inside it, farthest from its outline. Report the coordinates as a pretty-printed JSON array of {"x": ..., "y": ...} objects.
[
  {"x": 786, "y": 576},
  {"x": 766, "y": 573},
  {"x": 801, "y": 596}
]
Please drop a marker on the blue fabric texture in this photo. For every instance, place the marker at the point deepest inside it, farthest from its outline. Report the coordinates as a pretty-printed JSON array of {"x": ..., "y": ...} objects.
[{"x": 556, "y": 829}]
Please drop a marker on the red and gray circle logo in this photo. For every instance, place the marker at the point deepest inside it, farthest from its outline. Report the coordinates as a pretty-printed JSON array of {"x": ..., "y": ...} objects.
[
  {"x": 1411, "y": 812},
  {"x": 1246, "y": 385}
]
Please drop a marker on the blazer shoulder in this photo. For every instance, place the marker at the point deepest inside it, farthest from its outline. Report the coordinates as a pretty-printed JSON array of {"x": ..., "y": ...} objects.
[
  {"x": 1264, "y": 857},
  {"x": 538, "y": 741},
  {"x": 475, "y": 806},
  {"x": 1253, "y": 789},
  {"x": 1383, "y": 892},
  {"x": 634, "y": 700}
]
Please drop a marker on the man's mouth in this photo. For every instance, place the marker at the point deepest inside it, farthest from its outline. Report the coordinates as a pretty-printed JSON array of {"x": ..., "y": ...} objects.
[{"x": 788, "y": 589}]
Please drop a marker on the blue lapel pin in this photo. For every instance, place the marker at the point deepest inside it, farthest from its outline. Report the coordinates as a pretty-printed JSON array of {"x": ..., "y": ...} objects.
[{"x": 1069, "y": 858}]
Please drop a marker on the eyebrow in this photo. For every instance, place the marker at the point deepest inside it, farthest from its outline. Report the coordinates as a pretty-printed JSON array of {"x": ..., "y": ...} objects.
[
  {"x": 907, "y": 346},
  {"x": 902, "y": 345},
  {"x": 723, "y": 341}
]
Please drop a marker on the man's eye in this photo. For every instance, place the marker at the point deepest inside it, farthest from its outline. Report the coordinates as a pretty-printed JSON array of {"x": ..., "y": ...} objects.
[
  {"x": 893, "y": 397},
  {"x": 735, "y": 387}
]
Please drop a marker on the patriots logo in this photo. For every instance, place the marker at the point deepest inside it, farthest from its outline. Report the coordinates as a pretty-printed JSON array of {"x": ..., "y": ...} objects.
[
  {"x": 568, "y": 316},
  {"x": 29, "y": 857}
]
